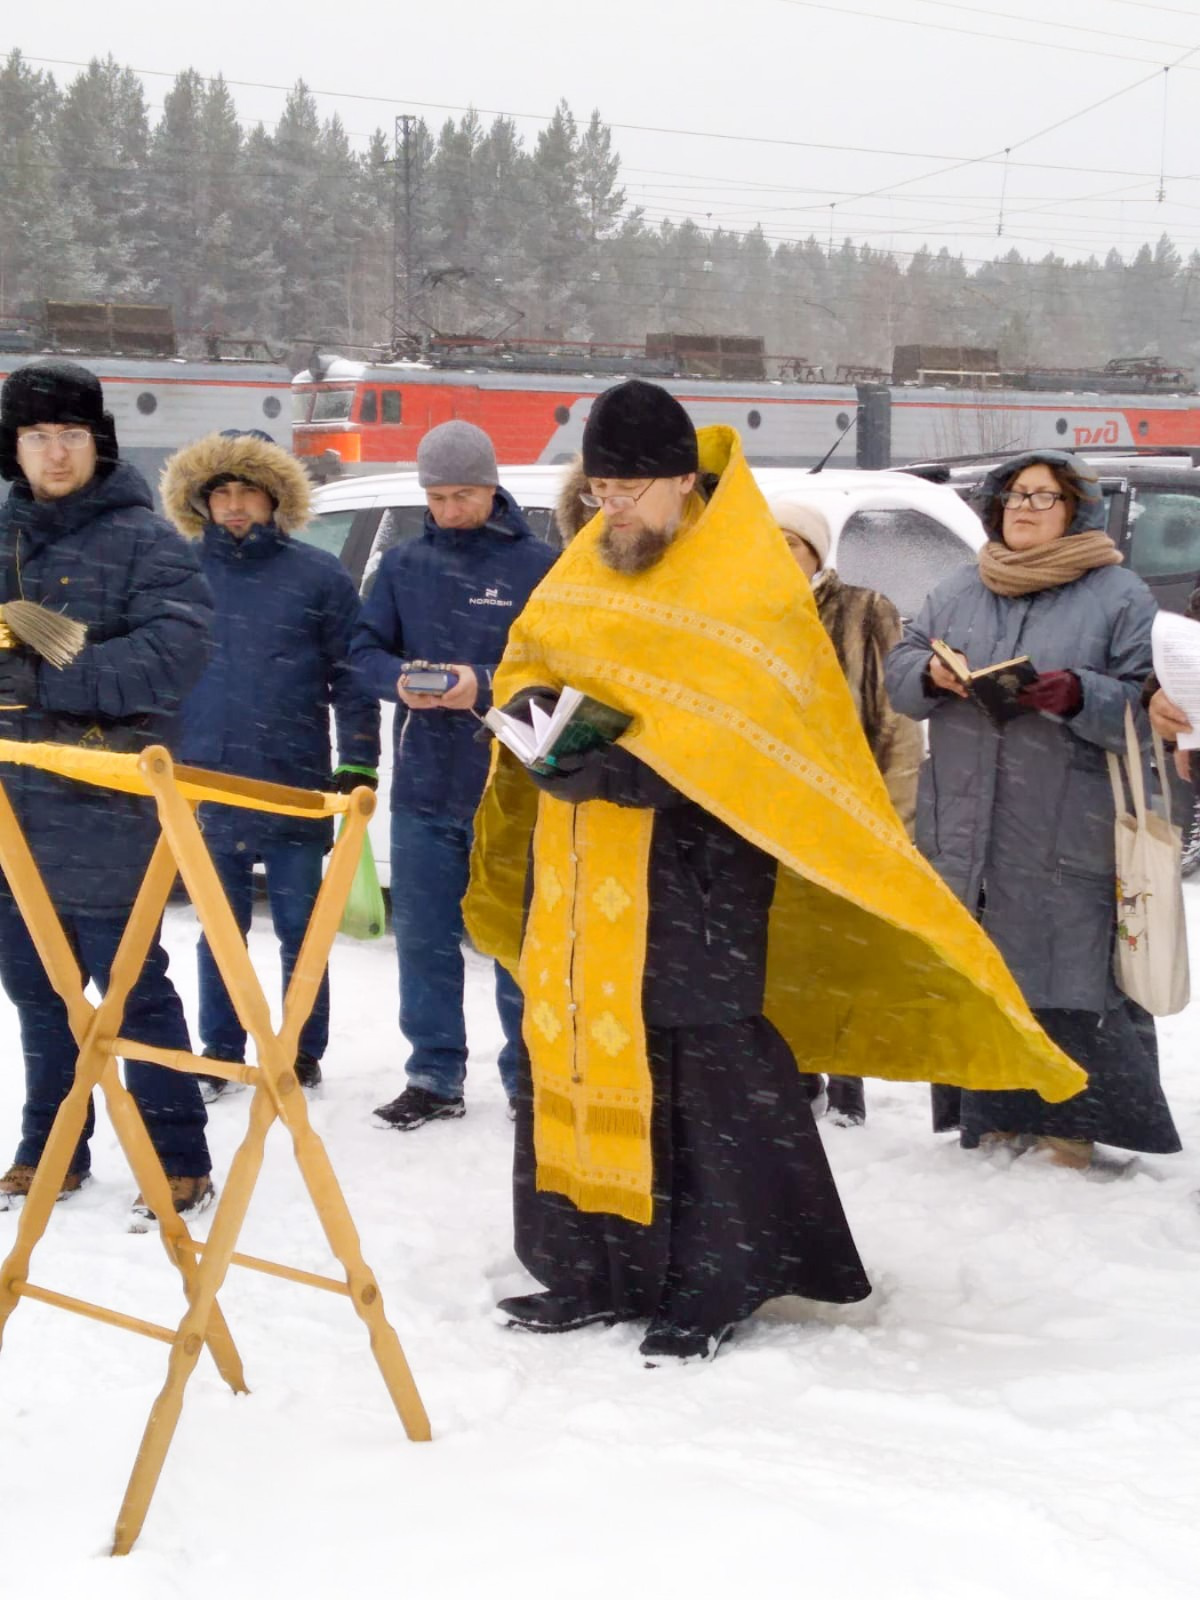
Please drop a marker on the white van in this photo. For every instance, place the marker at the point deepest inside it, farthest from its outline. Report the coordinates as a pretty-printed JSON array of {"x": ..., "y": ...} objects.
[{"x": 890, "y": 531}]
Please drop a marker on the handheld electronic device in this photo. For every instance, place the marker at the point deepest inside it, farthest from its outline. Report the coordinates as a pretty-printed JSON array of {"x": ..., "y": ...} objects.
[{"x": 428, "y": 677}]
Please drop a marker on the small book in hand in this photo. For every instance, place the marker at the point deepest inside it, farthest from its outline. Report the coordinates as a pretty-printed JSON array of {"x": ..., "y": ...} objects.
[
  {"x": 995, "y": 689},
  {"x": 544, "y": 730}
]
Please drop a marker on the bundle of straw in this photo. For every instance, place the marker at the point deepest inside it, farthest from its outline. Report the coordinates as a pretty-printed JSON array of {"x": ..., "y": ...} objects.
[{"x": 57, "y": 639}]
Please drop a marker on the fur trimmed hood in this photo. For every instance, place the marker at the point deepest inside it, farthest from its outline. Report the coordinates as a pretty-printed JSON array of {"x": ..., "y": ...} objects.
[
  {"x": 569, "y": 514},
  {"x": 250, "y": 456}
]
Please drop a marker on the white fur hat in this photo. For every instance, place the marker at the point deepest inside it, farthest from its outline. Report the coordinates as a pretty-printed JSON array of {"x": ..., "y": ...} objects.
[{"x": 794, "y": 516}]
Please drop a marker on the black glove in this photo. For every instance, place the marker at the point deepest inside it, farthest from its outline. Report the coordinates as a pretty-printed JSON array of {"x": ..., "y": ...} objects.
[
  {"x": 348, "y": 778},
  {"x": 576, "y": 778},
  {"x": 18, "y": 678},
  {"x": 536, "y": 691}
]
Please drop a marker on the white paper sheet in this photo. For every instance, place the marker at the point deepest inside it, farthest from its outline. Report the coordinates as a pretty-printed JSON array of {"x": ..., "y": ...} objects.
[{"x": 1176, "y": 645}]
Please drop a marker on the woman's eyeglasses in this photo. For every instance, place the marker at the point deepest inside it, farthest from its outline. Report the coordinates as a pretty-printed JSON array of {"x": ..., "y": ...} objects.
[{"x": 1038, "y": 499}]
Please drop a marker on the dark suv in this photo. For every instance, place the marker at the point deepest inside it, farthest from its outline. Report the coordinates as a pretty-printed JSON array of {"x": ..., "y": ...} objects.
[{"x": 1152, "y": 501}]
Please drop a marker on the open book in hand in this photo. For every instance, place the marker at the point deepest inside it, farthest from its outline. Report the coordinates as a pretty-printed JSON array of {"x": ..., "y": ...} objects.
[
  {"x": 544, "y": 730},
  {"x": 995, "y": 688}
]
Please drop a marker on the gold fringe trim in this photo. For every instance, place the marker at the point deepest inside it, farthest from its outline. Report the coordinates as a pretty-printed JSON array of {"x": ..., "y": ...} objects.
[
  {"x": 555, "y": 1106},
  {"x": 614, "y": 1122},
  {"x": 618, "y": 1122},
  {"x": 587, "y": 1196}
]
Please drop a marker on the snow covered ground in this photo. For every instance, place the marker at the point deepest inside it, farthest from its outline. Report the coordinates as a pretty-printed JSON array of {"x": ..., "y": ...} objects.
[{"x": 1014, "y": 1412}]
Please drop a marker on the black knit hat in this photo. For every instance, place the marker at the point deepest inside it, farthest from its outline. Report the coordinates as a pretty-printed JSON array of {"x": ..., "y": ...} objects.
[
  {"x": 54, "y": 391},
  {"x": 638, "y": 430}
]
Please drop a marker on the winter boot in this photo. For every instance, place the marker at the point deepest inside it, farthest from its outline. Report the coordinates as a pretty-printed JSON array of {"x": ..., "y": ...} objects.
[
  {"x": 308, "y": 1071},
  {"x": 191, "y": 1196},
  {"x": 665, "y": 1344},
  {"x": 551, "y": 1313},
  {"x": 18, "y": 1180},
  {"x": 414, "y": 1108},
  {"x": 213, "y": 1088},
  {"x": 847, "y": 1102},
  {"x": 1073, "y": 1153},
  {"x": 1014, "y": 1144},
  {"x": 1190, "y": 859}
]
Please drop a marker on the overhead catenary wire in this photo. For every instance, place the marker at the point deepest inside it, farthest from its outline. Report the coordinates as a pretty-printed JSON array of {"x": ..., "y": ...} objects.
[
  {"x": 974, "y": 33},
  {"x": 842, "y": 206},
  {"x": 1149, "y": 5},
  {"x": 1061, "y": 27},
  {"x": 1162, "y": 151},
  {"x": 1019, "y": 144},
  {"x": 840, "y": 147},
  {"x": 728, "y": 220}
]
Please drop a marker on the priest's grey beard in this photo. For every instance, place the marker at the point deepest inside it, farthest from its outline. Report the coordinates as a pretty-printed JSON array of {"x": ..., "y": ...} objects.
[{"x": 636, "y": 553}]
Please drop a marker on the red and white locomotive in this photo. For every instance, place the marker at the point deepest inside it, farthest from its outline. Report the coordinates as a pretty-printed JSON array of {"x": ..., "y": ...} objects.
[{"x": 373, "y": 415}]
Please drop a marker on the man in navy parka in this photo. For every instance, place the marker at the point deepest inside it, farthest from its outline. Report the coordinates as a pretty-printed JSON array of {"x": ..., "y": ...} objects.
[
  {"x": 448, "y": 597},
  {"x": 281, "y": 636},
  {"x": 79, "y": 534}
]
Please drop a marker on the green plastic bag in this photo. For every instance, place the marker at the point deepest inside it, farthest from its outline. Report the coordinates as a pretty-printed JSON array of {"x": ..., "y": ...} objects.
[{"x": 365, "y": 916}]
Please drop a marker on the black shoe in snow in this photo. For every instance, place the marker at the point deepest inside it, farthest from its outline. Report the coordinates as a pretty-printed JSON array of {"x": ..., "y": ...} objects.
[
  {"x": 414, "y": 1108},
  {"x": 551, "y": 1313},
  {"x": 308, "y": 1071},
  {"x": 213, "y": 1088},
  {"x": 847, "y": 1102},
  {"x": 666, "y": 1345},
  {"x": 846, "y": 1119}
]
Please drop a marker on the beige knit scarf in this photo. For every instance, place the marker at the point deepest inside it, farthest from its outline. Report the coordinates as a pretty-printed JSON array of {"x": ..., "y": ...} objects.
[{"x": 1016, "y": 572}]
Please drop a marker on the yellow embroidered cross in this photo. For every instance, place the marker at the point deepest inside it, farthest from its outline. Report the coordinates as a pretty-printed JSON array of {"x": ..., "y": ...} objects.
[
  {"x": 547, "y": 1020},
  {"x": 551, "y": 888},
  {"x": 609, "y": 1034},
  {"x": 610, "y": 899}
]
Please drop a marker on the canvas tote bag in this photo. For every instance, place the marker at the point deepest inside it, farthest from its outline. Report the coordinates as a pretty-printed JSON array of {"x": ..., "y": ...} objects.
[{"x": 1150, "y": 961}]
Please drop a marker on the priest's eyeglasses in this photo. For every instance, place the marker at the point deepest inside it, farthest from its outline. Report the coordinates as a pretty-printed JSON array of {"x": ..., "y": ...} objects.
[
  {"x": 70, "y": 439},
  {"x": 614, "y": 502},
  {"x": 1038, "y": 499}
]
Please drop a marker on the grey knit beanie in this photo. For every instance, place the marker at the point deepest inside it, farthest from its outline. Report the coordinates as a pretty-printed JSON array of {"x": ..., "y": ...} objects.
[{"x": 456, "y": 452}]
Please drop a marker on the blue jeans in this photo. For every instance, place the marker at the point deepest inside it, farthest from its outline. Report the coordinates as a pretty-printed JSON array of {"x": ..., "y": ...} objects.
[
  {"x": 169, "y": 1101},
  {"x": 293, "y": 882},
  {"x": 430, "y": 867}
]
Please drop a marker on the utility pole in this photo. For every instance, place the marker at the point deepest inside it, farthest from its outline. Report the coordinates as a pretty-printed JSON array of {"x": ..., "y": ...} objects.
[{"x": 402, "y": 230}]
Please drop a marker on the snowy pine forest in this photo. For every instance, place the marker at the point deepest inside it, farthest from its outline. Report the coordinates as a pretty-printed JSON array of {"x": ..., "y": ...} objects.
[{"x": 291, "y": 234}]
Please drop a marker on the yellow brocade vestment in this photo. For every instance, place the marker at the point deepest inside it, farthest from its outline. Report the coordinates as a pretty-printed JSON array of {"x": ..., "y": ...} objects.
[{"x": 874, "y": 968}]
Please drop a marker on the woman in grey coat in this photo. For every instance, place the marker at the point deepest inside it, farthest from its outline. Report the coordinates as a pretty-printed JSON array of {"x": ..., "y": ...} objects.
[{"x": 1018, "y": 817}]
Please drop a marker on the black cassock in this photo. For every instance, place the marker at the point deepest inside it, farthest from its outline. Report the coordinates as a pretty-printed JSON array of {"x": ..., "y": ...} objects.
[{"x": 745, "y": 1206}]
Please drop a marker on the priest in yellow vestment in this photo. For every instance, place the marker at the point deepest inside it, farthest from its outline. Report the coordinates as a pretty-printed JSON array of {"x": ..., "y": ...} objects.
[{"x": 721, "y": 894}]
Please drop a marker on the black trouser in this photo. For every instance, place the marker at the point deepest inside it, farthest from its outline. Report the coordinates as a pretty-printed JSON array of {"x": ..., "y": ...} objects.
[{"x": 846, "y": 1095}]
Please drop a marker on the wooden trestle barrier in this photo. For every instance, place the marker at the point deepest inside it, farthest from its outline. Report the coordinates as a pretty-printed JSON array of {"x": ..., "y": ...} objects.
[{"x": 277, "y": 1094}]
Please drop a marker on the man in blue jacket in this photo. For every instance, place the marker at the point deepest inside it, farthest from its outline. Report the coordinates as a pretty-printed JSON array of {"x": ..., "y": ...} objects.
[
  {"x": 78, "y": 533},
  {"x": 447, "y": 597},
  {"x": 281, "y": 638}
]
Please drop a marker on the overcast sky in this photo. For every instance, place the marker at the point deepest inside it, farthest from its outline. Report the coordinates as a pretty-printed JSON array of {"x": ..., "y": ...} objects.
[{"x": 820, "y": 105}]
